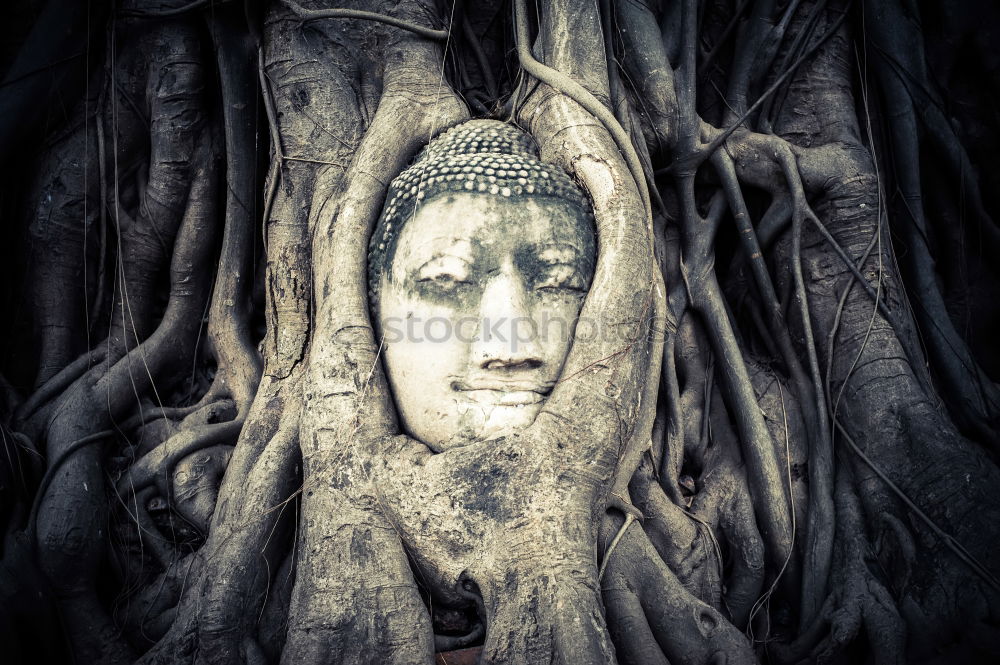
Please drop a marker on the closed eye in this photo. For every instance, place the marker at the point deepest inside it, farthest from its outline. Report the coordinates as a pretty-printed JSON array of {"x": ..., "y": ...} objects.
[
  {"x": 443, "y": 278},
  {"x": 444, "y": 271},
  {"x": 443, "y": 282},
  {"x": 562, "y": 277},
  {"x": 561, "y": 287}
]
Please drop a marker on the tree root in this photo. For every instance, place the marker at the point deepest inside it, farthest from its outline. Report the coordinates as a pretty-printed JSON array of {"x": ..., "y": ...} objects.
[
  {"x": 71, "y": 516},
  {"x": 697, "y": 236},
  {"x": 146, "y": 615},
  {"x": 229, "y": 333},
  {"x": 394, "y": 626},
  {"x": 196, "y": 482},
  {"x": 63, "y": 249},
  {"x": 314, "y": 14},
  {"x": 973, "y": 398},
  {"x": 158, "y": 465},
  {"x": 146, "y": 232},
  {"x": 859, "y": 600},
  {"x": 54, "y": 466},
  {"x": 655, "y": 618},
  {"x": 147, "y": 534},
  {"x": 234, "y": 566}
]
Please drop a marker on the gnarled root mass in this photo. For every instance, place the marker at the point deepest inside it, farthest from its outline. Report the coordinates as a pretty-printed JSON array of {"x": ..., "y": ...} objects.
[{"x": 788, "y": 455}]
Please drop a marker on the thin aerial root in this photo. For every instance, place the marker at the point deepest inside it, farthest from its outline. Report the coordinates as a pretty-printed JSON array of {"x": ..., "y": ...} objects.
[
  {"x": 820, "y": 529},
  {"x": 315, "y": 14},
  {"x": 564, "y": 84},
  {"x": 629, "y": 518}
]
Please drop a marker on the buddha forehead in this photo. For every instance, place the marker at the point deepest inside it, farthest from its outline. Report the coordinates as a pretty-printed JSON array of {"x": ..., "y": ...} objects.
[{"x": 484, "y": 231}]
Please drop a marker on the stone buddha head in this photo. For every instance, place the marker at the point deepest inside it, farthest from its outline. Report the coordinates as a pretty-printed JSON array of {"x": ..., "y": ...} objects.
[{"x": 478, "y": 268}]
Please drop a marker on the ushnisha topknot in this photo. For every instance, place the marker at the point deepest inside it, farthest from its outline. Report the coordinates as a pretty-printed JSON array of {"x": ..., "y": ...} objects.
[{"x": 479, "y": 156}]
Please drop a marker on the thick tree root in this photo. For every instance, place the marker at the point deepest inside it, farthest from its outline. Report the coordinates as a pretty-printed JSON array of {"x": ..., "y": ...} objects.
[
  {"x": 655, "y": 618},
  {"x": 72, "y": 515},
  {"x": 860, "y": 602}
]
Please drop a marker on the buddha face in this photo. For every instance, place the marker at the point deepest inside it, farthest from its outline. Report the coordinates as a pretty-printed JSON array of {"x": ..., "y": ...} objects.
[{"x": 477, "y": 310}]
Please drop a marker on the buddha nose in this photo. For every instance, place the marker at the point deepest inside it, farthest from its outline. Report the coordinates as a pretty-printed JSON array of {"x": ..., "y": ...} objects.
[{"x": 508, "y": 338}]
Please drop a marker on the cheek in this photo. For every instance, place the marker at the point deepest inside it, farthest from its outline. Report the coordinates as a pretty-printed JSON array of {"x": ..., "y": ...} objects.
[
  {"x": 421, "y": 344},
  {"x": 405, "y": 318},
  {"x": 556, "y": 317}
]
